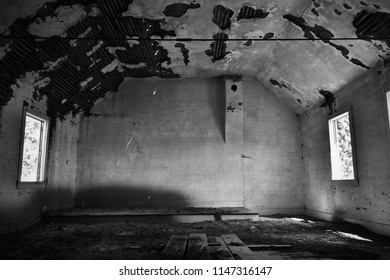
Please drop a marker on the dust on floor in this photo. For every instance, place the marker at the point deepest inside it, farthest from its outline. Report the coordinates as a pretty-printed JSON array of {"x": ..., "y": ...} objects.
[{"x": 309, "y": 239}]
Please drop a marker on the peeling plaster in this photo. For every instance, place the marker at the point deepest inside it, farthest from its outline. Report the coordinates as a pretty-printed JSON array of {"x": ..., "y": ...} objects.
[
  {"x": 324, "y": 34},
  {"x": 65, "y": 17},
  {"x": 52, "y": 65},
  {"x": 85, "y": 83},
  {"x": 4, "y": 50},
  {"x": 222, "y": 16},
  {"x": 95, "y": 48},
  {"x": 189, "y": 58},
  {"x": 247, "y": 12},
  {"x": 179, "y": 9},
  {"x": 184, "y": 51}
]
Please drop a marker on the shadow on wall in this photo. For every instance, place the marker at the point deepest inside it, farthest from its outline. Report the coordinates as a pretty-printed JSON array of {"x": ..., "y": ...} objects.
[
  {"x": 220, "y": 108},
  {"x": 22, "y": 209},
  {"x": 337, "y": 216},
  {"x": 128, "y": 196},
  {"x": 58, "y": 198}
]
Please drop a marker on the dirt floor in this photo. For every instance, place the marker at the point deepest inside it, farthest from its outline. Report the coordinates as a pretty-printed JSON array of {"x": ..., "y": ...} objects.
[{"x": 309, "y": 239}]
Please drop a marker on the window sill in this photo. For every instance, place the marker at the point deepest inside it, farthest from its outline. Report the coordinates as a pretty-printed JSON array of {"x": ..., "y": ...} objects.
[
  {"x": 346, "y": 183},
  {"x": 31, "y": 185}
]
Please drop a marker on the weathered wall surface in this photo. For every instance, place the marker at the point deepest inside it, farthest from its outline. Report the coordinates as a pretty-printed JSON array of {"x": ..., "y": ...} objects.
[
  {"x": 162, "y": 143},
  {"x": 20, "y": 208},
  {"x": 367, "y": 203},
  {"x": 62, "y": 165},
  {"x": 272, "y": 153}
]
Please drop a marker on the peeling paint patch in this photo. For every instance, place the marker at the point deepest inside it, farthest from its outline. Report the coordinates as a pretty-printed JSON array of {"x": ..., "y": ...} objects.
[
  {"x": 65, "y": 17},
  {"x": 184, "y": 51},
  {"x": 322, "y": 33},
  {"x": 94, "y": 62},
  {"x": 179, "y": 9},
  {"x": 372, "y": 25},
  {"x": 111, "y": 67},
  {"x": 96, "y": 86},
  {"x": 4, "y": 50},
  {"x": 247, "y": 12},
  {"x": 95, "y": 48},
  {"x": 133, "y": 42},
  {"x": 51, "y": 65},
  {"x": 330, "y": 100},
  {"x": 269, "y": 35},
  {"x": 359, "y": 63},
  {"x": 248, "y": 43},
  {"x": 95, "y": 11},
  {"x": 83, "y": 84},
  {"x": 218, "y": 48},
  {"x": 136, "y": 66},
  {"x": 222, "y": 17}
]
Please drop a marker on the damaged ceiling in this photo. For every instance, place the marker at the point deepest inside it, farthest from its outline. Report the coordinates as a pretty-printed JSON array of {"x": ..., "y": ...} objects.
[{"x": 76, "y": 51}]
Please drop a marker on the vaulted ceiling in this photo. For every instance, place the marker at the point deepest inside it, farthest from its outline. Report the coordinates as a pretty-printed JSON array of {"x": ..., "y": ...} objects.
[{"x": 76, "y": 51}]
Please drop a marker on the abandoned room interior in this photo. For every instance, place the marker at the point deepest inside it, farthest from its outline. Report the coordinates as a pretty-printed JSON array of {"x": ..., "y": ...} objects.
[{"x": 224, "y": 129}]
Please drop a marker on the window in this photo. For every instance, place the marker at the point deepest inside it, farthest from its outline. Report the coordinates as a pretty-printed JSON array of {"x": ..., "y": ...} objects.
[
  {"x": 343, "y": 160},
  {"x": 32, "y": 167},
  {"x": 388, "y": 105}
]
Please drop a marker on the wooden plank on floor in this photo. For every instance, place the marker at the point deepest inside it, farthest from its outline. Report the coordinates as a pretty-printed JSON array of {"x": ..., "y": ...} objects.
[
  {"x": 175, "y": 248},
  {"x": 197, "y": 247},
  {"x": 266, "y": 246},
  {"x": 238, "y": 248},
  {"x": 218, "y": 249}
]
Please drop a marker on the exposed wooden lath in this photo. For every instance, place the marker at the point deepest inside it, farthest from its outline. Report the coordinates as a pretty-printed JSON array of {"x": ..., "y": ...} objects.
[{"x": 78, "y": 81}]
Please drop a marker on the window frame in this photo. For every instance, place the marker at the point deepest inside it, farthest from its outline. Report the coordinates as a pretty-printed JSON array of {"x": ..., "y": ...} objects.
[
  {"x": 43, "y": 146},
  {"x": 387, "y": 102},
  {"x": 354, "y": 181}
]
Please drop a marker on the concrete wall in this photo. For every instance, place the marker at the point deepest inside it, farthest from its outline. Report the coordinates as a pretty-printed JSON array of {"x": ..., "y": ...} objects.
[
  {"x": 367, "y": 202},
  {"x": 162, "y": 143},
  {"x": 20, "y": 208}
]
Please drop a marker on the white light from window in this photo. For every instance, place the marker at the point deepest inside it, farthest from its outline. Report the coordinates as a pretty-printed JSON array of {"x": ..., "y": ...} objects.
[
  {"x": 34, "y": 149},
  {"x": 341, "y": 148},
  {"x": 388, "y": 105}
]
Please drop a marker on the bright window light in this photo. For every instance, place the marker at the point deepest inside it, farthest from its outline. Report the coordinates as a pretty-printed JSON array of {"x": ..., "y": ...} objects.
[
  {"x": 341, "y": 147},
  {"x": 388, "y": 105},
  {"x": 34, "y": 148}
]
